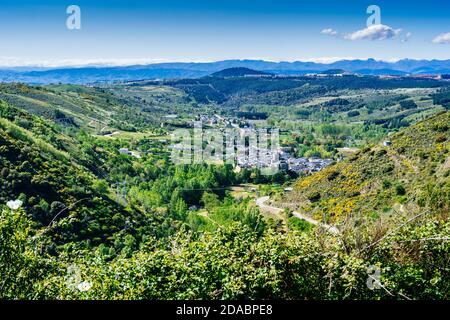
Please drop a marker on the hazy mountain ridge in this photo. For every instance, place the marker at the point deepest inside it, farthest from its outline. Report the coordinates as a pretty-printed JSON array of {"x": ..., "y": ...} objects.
[
  {"x": 200, "y": 69},
  {"x": 239, "y": 72}
]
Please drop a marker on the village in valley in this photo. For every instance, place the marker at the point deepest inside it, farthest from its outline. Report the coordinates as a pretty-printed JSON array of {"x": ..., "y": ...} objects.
[{"x": 245, "y": 147}]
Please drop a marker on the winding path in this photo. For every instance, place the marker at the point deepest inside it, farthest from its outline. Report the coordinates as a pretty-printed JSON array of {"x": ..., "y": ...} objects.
[{"x": 261, "y": 203}]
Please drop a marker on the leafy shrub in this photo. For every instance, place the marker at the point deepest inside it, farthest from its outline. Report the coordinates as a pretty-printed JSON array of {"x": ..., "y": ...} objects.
[{"x": 400, "y": 190}]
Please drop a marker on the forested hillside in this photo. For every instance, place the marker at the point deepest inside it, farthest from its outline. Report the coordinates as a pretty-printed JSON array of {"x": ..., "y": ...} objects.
[
  {"x": 408, "y": 174},
  {"x": 151, "y": 247}
]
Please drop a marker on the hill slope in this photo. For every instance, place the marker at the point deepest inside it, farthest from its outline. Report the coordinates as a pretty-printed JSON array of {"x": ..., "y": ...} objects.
[
  {"x": 53, "y": 175},
  {"x": 93, "y": 109},
  {"x": 409, "y": 176}
]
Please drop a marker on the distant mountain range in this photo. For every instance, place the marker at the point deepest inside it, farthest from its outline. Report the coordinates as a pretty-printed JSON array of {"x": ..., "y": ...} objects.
[
  {"x": 239, "y": 72},
  {"x": 195, "y": 70}
]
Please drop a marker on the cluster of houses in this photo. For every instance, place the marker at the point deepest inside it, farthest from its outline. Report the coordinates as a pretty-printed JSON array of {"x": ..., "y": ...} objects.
[
  {"x": 216, "y": 121},
  {"x": 282, "y": 160},
  {"x": 307, "y": 165},
  {"x": 248, "y": 155},
  {"x": 302, "y": 165},
  {"x": 254, "y": 157},
  {"x": 243, "y": 153}
]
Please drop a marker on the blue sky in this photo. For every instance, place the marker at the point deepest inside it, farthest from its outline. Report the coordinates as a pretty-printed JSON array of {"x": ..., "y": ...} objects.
[{"x": 132, "y": 31}]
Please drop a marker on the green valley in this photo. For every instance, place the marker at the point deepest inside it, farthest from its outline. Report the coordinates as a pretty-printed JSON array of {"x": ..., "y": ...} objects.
[{"x": 93, "y": 205}]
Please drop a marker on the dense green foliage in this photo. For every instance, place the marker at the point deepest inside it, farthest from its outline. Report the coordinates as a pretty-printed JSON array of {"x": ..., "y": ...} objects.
[
  {"x": 231, "y": 263},
  {"x": 95, "y": 223}
]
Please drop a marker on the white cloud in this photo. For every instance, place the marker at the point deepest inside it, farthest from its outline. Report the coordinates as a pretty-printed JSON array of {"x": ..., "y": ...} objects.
[
  {"x": 443, "y": 38},
  {"x": 374, "y": 32},
  {"x": 329, "y": 32}
]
